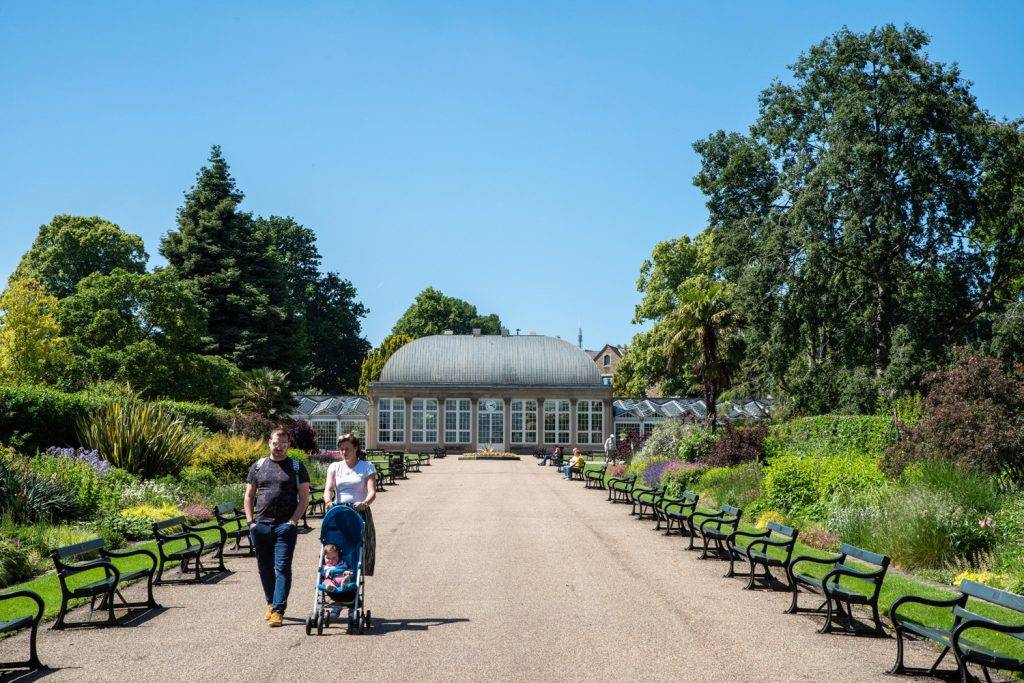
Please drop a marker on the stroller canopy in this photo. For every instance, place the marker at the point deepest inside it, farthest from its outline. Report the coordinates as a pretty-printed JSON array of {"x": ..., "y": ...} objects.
[{"x": 344, "y": 527}]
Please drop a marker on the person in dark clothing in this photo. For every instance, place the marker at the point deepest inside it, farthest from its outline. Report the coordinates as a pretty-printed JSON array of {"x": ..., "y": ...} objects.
[
  {"x": 276, "y": 494},
  {"x": 555, "y": 455}
]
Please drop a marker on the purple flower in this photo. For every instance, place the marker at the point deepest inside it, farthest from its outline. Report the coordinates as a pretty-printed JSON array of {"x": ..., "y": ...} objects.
[{"x": 90, "y": 458}]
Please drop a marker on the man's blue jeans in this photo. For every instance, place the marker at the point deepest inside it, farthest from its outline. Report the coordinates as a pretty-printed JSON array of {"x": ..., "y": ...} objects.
[{"x": 275, "y": 545}]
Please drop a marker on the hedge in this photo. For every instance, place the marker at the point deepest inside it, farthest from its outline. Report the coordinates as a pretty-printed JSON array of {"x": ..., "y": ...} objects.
[
  {"x": 867, "y": 434},
  {"x": 34, "y": 418}
]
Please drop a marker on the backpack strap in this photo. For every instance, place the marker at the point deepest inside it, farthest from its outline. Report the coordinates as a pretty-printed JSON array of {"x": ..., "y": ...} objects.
[{"x": 295, "y": 468}]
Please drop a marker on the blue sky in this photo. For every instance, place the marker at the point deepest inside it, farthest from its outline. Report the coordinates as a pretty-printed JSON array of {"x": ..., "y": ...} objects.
[{"x": 523, "y": 156}]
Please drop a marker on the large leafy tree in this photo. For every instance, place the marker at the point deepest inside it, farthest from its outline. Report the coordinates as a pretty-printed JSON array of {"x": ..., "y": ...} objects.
[
  {"x": 241, "y": 286},
  {"x": 871, "y": 214},
  {"x": 32, "y": 348},
  {"x": 69, "y": 248},
  {"x": 701, "y": 336},
  {"x": 432, "y": 312},
  {"x": 374, "y": 362},
  {"x": 323, "y": 307}
]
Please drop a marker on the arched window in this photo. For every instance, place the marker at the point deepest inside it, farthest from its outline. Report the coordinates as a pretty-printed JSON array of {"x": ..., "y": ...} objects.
[{"x": 607, "y": 360}]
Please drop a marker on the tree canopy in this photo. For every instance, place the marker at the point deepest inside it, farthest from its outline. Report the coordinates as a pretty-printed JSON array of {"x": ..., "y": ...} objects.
[
  {"x": 32, "y": 348},
  {"x": 374, "y": 362},
  {"x": 69, "y": 248},
  {"x": 432, "y": 312}
]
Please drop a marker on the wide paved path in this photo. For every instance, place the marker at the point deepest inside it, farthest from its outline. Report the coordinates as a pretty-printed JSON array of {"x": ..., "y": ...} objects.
[{"x": 486, "y": 570}]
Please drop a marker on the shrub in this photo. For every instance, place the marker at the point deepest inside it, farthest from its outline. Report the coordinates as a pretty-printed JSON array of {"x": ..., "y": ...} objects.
[
  {"x": 627, "y": 447},
  {"x": 151, "y": 513},
  {"x": 78, "y": 478},
  {"x": 680, "y": 476},
  {"x": 17, "y": 563},
  {"x": 198, "y": 513},
  {"x": 654, "y": 470},
  {"x": 806, "y": 486},
  {"x": 868, "y": 434},
  {"x": 819, "y": 537},
  {"x": 250, "y": 426},
  {"x": 739, "y": 485},
  {"x": 28, "y": 497},
  {"x": 228, "y": 493},
  {"x": 973, "y": 414},
  {"x": 149, "y": 492},
  {"x": 228, "y": 457},
  {"x": 89, "y": 457},
  {"x": 140, "y": 438},
  {"x": 770, "y": 516},
  {"x": 302, "y": 436},
  {"x": 737, "y": 445},
  {"x": 663, "y": 441},
  {"x": 197, "y": 480},
  {"x": 112, "y": 488},
  {"x": 695, "y": 443},
  {"x": 202, "y": 415}
]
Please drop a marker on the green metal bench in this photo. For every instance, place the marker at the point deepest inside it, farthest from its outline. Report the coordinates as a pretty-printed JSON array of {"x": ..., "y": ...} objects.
[
  {"x": 384, "y": 473},
  {"x": 756, "y": 553},
  {"x": 965, "y": 650},
  {"x": 718, "y": 528},
  {"x": 412, "y": 462},
  {"x": 424, "y": 458},
  {"x": 835, "y": 592},
  {"x": 65, "y": 561},
  {"x": 678, "y": 510},
  {"x": 175, "y": 529},
  {"x": 234, "y": 525},
  {"x": 646, "y": 501},
  {"x": 620, "y": 488},
  {"x": 593, "y": 474},
  {"x": 18, "y": 623}
]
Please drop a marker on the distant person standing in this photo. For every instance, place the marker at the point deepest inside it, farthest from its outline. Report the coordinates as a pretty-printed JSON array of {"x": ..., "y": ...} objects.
[
  {"x": 276, "y": 495},
  {"x": 609, "y": 446}
]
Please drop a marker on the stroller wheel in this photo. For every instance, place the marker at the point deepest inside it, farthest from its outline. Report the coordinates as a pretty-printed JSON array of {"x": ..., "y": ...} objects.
[
  {"x": 309, "y": 625},
  {"x": 320, "y": 624},
  {"x": 366, "y": 620},
  {"x": 351, "y": 626}
]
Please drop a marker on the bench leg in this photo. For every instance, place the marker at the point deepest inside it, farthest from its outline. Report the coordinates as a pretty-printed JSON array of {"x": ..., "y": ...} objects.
[
  {"x": 59, "y": 624},
  {"x": 827, "y": 626},
  {"x": 33, "y": 652},
  {"x": 898, "y": 667},
  {"x": 151, "y": 602},
  {"x": 796, "y": 591}
]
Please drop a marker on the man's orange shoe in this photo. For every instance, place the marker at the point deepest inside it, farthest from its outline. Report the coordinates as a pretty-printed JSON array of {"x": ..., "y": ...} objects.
[
  {"x": 270, "y": 610},
  {"x": 275, "y": 619}
]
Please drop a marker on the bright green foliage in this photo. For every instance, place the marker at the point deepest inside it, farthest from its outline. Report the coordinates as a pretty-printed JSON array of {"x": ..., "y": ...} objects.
[
  {"x": 870, "y": 219},
  {"x": 432, "y": 313},
  {"x": 140, "y": 438},
  {"x": 228, "y": 457},
  {"x": 374, "y": 362},
  {"x": 27, "y": 497},
  {"x": 70, "y": 248},
  {"x": 219, "y": 251},
  {"x": 77, "y": 479},
  {"x": 265, "y": 392},
  {"x": 32, "y": 349},
  {"x": 830, "y": 434},
  {"x": 324, "y": 310},
  {"x": 17, "y": 562},
  {"x": 806, "y": 486},
  {"x": 644, "y": 366},
  {"x": 739, "y": 485}
]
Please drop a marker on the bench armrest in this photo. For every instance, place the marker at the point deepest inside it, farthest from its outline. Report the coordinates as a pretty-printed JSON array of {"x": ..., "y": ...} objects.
[
  {"x": 753, "y": 534},
  {"x": 130, "y": 553},
  {"x": 928, "y": 602},
  {"x": 13, "y": 595},
  {"x": 719, "y": 522},
  {"x": 70, "y": 569},
  {"x": 978, "y": 623},
  {"x": 213, "y": 526},
  {"x": 853, "y": 574},
  {"x": 817, "y": 560},
  {"x": 765, "y": 543}
]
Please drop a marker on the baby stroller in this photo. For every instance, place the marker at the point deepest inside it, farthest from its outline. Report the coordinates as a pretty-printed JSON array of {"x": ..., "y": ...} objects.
[{"x": 344, "y": 527}]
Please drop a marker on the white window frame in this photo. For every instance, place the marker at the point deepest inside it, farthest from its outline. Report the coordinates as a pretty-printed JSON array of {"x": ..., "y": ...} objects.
[
  {"x": 461, "y": 409},
  {"x": 424, "y": 420},
  {"x": 560, "y": 412},
  {"x": 390, "y": 420},
  {"x": 521, "y": 410},
  {"x": 607, "y": 360},
  {"x": 589, "y": 422},
  {"x": 324, "y": 441},
  {"x": 606, "y": 380},
  {"x": 353, "y": 426}
]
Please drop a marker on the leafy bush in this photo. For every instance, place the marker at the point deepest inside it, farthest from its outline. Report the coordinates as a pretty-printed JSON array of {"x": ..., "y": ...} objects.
[
  {"x": 302, "y": 436},
  {"x": 197, "y": 480},
  {"x": 78, "y": 479},
  {"x": 43, "y": 538},
  {"x": 737, "y": 445},
  {"x": 266, "y": 392},
  {"x": 973, "y": 414},
  {"x": 151, "y": 513},
  {"x": 695, "y": 443},
  {"x": 112, "y": 488},
  {"x": 824, "y": 434},
  {"x": 17, "y": 563},
  {"x": 202, "y": 415},
  {"x": 197, "y": 513},
  {"x": 228, "y": 493},
  {"x": 663, "y": 441},
  {"x": 250, "y": 426},
  {"x": 679, "y": 476},
  {"x": 148, "y": 492},
  {"x": 228, "y": 457},
  {"x": 806, "y": 486},
  {"x": 28, "y": 497},
  {"x": 140, "y": 438},
  {"x": 739, "y": 485}
]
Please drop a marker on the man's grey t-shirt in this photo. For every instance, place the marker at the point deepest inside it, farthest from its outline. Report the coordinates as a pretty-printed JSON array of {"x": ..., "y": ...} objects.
[{"x": 276, "y": 490}]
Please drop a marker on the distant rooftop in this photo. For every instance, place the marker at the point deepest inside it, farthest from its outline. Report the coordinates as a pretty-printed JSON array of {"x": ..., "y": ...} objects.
[
  {"x": 355, "y": 407},
  {"x": 689, "y": 408}
]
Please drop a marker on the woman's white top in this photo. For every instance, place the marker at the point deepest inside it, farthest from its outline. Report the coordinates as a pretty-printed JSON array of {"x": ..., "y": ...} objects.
[{"x": 350, "y": 482}]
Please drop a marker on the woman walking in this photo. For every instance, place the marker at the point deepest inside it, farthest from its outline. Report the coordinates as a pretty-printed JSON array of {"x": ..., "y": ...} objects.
[{"x": 353, "y": 481}]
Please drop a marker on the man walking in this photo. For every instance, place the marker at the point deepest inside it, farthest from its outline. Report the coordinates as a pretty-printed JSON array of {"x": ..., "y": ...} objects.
[
  {"x": 609, "y": 446},
  {"x": 276, "y": 494}
]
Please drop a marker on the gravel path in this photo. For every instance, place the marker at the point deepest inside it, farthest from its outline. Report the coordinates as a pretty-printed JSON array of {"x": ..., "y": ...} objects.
[{"x": 486, "y": 570}]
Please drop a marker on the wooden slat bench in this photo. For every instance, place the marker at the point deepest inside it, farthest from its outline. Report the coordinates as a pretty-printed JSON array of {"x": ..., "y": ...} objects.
[
  {"x": 755, "y": 552},
  {"x": 234, "y": 525},
  {"x": 835, "y": 592},
  {"x": 106, "y": 588},
  {"x": 17, "y": 623},
  {"x": 178, "y": 529},
  {"x": 717, "y": 528},
  {"x": 964, "y": 620}
]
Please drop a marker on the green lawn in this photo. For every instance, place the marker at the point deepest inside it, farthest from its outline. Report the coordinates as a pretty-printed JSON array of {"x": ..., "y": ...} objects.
[{"x": 48, "y": 585}]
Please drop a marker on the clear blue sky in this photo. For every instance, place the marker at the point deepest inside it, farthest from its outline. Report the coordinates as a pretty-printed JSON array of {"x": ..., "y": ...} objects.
[{"x": 523, "y": 156}]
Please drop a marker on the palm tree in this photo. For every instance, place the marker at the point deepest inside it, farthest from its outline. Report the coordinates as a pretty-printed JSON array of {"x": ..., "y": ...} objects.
[
  {"x": 700, "y": 332},
  {"x": 266, "y": 392}
]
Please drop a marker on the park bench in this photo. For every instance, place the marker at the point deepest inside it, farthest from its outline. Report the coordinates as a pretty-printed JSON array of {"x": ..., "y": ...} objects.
[
  {"x": 593, "y": 474},
  {"x": 18, "y": 623},
  {"x": 619, "y": 488},
  {"x": 776, "y": 535},
  {"x": 862, "y": 587},
  {"x": 315, "y": 506},
  {"x": 646, "y": 501},
  {"x": 679, "y": 510},
  {"x": 397, "y": 462},
  {"x": 234, "y": 525},
  {"x": 67, "y": 563},
  {"x": 965, "y": 650},
  {"x": 192, "y": 549},
  {"x": 424, "y": 458},
  {"x": 718, "y": 528},
  {"x": 384, "y": 473},
  {"x": 412, "y": 462},
  {"x": 440, "y": 452}
]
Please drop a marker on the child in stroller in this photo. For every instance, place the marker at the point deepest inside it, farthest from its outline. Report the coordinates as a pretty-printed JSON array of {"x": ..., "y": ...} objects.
[
  {"x": 340, "y": 581},
  {"x": 335, "y": 576}
]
